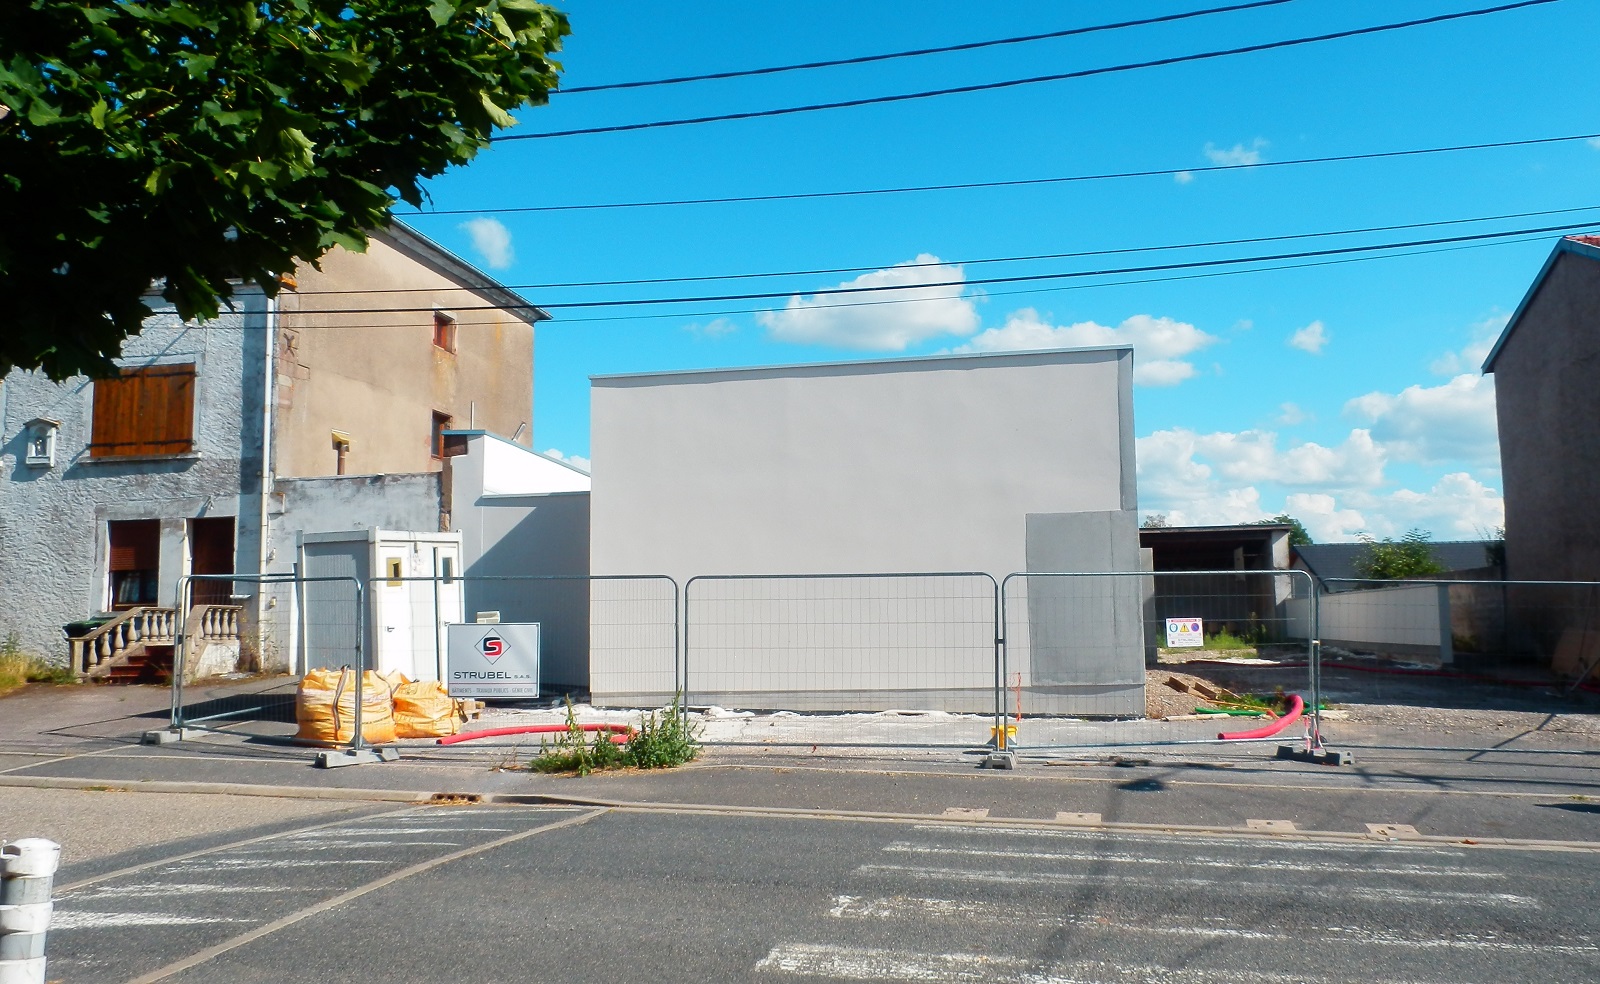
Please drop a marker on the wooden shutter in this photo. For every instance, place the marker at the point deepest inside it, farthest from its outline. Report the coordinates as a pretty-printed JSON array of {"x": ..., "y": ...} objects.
[{"x": 143, "y": 412}]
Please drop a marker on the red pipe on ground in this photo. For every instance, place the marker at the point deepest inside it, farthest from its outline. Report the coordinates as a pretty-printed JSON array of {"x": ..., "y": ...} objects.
[
  {"x": 621, "y": 732},
  {"x": 1296, "y": 706}
]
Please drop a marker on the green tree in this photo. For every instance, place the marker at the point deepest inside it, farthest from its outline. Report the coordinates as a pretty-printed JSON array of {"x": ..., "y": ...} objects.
[
  {"x": 1298, "y": 537},
  {"x": 1411, "y": 556},
  {"x": 1155, "y": 521},
  {"x": 189, "y": 143}
]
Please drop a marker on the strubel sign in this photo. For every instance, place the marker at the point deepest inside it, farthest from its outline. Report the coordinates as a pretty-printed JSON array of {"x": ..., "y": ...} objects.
[{"x": 492, "y": 660}]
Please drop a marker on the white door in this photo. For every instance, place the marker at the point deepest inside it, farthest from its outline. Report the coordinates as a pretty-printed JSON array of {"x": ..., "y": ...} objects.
[
  {"x": 447, "y": 574},
  {"x": 394, "y": 613}
]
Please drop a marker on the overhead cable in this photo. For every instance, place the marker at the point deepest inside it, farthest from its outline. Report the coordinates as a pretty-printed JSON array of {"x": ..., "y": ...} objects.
[
  {"x": 982, "y": 281},
  {"x": 1010, "y": 83},
  {"x": 1166, "y": 172},
  {"x": 828, "y": 271},
  {"x": 918, "y": 52}
]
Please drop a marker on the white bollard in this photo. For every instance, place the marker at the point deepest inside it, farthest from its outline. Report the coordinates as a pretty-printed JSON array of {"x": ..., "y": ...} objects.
[{"x": 27, "y": 870}]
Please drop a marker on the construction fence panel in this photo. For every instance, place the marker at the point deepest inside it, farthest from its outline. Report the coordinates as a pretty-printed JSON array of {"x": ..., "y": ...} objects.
[
  {"x": 890, "y": 660},
  {"x": 245, "y": 642},
  {"x": 1131, "y": 659},
  {"x": 1517, "y": 657}
]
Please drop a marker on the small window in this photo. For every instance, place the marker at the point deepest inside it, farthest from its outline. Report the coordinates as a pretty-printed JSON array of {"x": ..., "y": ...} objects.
[
  {"x": 395, "y": 571},
  {"x": 441, "y": 423},
  {"x": 444, "y": 331},
  {"x": 147, "y": 411}
]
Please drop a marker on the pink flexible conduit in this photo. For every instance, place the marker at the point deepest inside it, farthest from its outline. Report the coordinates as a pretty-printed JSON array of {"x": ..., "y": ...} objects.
[
  {"x": 620, "y": 732},
  {"x": 1296, "y": 706}
]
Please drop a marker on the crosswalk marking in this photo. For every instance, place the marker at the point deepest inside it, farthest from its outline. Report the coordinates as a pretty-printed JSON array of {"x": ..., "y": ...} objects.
[
  {"x": 920, "y": 910},
  {"x": 1195, "y": 861},
  {"x": 1004, "y": 877},
  {"x": 66, "y": 920}
]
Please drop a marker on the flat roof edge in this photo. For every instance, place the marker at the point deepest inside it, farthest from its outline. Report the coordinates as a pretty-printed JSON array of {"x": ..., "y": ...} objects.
[{"x": 865, "y": 364}]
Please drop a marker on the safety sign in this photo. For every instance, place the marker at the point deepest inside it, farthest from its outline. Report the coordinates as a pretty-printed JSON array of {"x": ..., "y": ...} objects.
[{"x": 1185, "y": 632}]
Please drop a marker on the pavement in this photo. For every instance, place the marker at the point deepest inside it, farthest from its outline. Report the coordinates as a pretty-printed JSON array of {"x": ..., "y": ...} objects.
[{"x": 231, "y": 858}]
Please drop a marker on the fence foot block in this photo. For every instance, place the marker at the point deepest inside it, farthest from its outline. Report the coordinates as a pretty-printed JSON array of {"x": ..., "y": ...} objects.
[
  {"x": 341, "y": 757},
  {"x": 1318, "y": 756},
  {"x": 1000, "y": 760},
  {"x": 168, "y": 736}
]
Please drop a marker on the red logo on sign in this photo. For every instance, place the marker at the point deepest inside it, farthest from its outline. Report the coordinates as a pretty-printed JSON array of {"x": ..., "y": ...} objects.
[{"x": 492, "y": 647}]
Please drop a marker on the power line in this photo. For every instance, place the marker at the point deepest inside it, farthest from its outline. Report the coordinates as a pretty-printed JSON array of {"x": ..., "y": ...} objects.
[
  {"x": 982, "y": 281},
  {"x": 917, "y": 52},
  {"x": 1057, "y": 288},
  {"x": 1017, "y": 183},
  {"x": 1010, "y": 83},
  {"x": 826, "y": 271}
]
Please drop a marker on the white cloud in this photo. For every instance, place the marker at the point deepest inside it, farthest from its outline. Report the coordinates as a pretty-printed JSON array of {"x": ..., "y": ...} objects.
[
  {"x": 715, "y": 328},
  {"x": 1159, "y": 344},
  {"x": 1458, "y": 507},
  {"x": 1481, "y": 337},
  {"x": 577, "y": 461},
  {"x": 1253, "y": 457},
  {"x": 1290, "y": 414},
  {"x": 1237, "y": 154},
  {"x": 492, "y": 240},
  {"x": 1183, "y": 177},
  {"x": 928, "y": 312},
  {"x": 1454, "y": 421},
  {"x": 1312, "y": 338},
  {"x": 1323, "y": 517}
]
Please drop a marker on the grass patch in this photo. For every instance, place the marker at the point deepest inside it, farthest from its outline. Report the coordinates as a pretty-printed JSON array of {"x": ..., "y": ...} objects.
[
  {"x": 1225, "y": 639},
  {"x": 18, "y": 667},
  {"x": 662, "y": 740}
]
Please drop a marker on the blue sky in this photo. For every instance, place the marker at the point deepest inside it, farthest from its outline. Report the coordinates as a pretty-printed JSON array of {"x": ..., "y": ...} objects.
[{"x": 1346, "y": 393}]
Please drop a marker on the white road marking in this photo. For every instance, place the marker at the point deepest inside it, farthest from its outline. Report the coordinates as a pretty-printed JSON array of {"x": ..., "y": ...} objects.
[
  {"x": 354, "y": 831},
  {"x": 344, "y": 846},
  {"x": 869, "y": 964},
  {"x": 921, "y": 910},
  {"x": 155, "y": 890},
  {"x": 213, "y": 864},
  {"x": 122, "y": 920},
  {"x": 1197, "y": 861},
  {"x": 1475, "y": 899},
  {"x": 1208, "y": 840}
]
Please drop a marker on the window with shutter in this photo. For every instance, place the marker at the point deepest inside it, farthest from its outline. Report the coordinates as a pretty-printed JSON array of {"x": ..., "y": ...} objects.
[{"x": 148, "y": 411}]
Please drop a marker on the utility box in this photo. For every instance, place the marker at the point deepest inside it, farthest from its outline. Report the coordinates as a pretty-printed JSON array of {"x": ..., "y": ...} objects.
[
  {"x": 410, "y": 590},
  {"x": 493, "y": 660}
]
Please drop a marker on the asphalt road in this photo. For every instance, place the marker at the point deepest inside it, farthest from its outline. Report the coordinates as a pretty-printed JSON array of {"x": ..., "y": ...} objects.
[{"x": 516, "y": 894}]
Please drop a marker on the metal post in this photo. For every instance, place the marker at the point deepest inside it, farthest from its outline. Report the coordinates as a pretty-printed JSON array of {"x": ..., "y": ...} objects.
[
  {"x": 27, "y": 871},
  {"x": 358, "y": 753},
  {"x": 1003, "y": 757},
  {"x": 175, "y": 730}
]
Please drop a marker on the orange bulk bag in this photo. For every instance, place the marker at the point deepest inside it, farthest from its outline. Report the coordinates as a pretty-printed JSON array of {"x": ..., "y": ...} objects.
[
  {"x": 424, "y": 710},
  {"x": 325, "y": 707}
]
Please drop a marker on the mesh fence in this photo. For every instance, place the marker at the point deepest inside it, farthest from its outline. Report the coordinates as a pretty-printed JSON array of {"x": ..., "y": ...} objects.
[
  {"x": 239, "y": 636},
  {"x": 874, "y": 659},
  {"x": 1152, "y": 658},
  {"x": 1515, "y": 659}
]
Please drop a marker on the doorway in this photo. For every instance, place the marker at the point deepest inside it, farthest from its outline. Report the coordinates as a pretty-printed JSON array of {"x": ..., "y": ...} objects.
[{"x": 211, "y": 552}]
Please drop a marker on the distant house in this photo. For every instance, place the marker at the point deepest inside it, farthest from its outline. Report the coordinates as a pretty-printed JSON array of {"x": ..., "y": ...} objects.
[
  {"x": 219, "y": 445},
  {"x": 1546, "y": 368},
  {"x": 1249, "y": 605}
]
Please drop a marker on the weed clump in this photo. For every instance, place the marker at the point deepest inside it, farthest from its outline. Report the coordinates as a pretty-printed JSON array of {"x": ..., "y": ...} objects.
[
  {"x": 662, "y": 740},
  {"x": 18, "y": 666}
]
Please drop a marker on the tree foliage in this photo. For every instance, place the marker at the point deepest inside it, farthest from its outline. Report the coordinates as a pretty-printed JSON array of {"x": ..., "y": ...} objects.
[
  {"x": 1298, "y": 537},
  {"x": 188, "y": 143},
  {"x": 1411, "y": 556},
  {"x": 1155, "y": 521}
]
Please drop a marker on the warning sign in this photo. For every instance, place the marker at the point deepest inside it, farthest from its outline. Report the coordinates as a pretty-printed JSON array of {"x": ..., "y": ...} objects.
[{"x": 1185, "y": 632}]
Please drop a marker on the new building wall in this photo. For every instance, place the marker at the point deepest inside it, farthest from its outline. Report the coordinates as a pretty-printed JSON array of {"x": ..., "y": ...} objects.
[
  {"x": 1548, "y": 407},
  {"x": 378, "y": 377},
  {"x": 53, "y": 520},
  {"x": 943, "y": 464}
]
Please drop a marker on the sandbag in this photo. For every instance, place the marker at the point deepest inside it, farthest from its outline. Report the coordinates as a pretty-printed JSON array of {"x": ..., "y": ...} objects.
[
  {"x": 425, "y": 710},
  {"x": 325, "y": 707}
]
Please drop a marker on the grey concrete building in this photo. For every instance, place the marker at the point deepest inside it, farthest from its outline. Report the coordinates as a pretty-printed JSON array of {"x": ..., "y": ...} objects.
[
  {"x": 220, "y": 443},
  {"x": 977, "y": 463}
]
